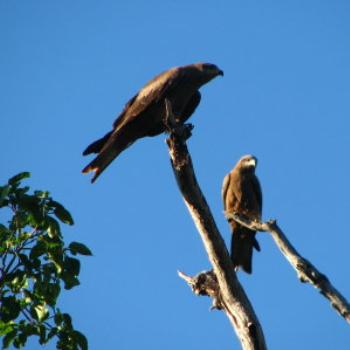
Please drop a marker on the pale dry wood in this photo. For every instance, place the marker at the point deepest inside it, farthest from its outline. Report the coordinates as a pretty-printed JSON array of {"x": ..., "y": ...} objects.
[
  {"x": 228, "y": 292},
  {"x": 306, "y": 271}
]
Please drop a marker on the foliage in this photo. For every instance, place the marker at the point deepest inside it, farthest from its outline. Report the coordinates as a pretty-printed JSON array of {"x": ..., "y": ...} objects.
[{"x": 34, "y": 265}]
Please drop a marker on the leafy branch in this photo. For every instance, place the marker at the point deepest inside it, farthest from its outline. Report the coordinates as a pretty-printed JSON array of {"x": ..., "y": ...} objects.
[{"x": 35, "y": 264}]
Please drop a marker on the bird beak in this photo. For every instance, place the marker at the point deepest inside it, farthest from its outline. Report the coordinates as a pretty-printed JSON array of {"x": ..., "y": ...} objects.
[
  {"x": 221, "y": 73},
  {"x": 252, "y": 162}
]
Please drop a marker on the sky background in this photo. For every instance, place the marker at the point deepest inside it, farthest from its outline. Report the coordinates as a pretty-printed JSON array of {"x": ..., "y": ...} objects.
[{"x": 68, "y": 67}]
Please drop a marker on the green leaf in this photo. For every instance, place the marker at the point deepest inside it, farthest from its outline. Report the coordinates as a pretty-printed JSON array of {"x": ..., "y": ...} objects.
[
  {"x": 20, "y": 340},
  {"x": 69, "y": 280},
  {"x": 25, "y": 261},
  {"x": 38, "y": 250},
  {"x": 62, "y": 213},
  {"x": 41, "y": 312},
  {"x": 29, "y": 328},
  {"x": 4, "y": 229},
  {"x": 28, "y": 296},
  {"x": 70, "y": 273},
  {"x": 18, "y": 178},
  {"x": 54, "y": 227},
  {"x": 79, "y": 248},
  {"x": 80, "y": 340},
  {"x": 22, "y": 190},
  {"x": 32, "y": 205},
  {"x": 42, "y": 338},
  {"x": 6, "y": 327},
  {"x": 67, "y": 319},
  {"x": 47, "y": 292},
  {"x": 5, "y": 236},
  {"x": 18, "y": 280},
  {"x": 58, "y": 318},
  {"x": 49, "y": 271},
  {"x": 54, "y": 245},
  {"x": 53, "y": 291},
  {"x": 72, "y": 266},
  {"x": 57, "y": 261},
  {"x": 8, "y": 339},
  {"x": 53, "y": 331},
  {"x": 36, "y": 263},
  {"x": 9, "y": 309},
  {"x": 19, "y": 220},
  {"x": 41, "y": 194},
  {"x": 4, "y": 191}
]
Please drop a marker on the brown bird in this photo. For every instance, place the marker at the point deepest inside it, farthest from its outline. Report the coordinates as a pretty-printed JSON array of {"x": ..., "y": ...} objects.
[
  {"x": 241, "y": 193},
  {"x": 143, "y": 115}
]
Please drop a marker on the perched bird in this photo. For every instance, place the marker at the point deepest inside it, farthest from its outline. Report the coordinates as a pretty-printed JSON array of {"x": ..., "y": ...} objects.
[
  {"x": 143, "y": 115},
  {"x": 241, "y": 193}
]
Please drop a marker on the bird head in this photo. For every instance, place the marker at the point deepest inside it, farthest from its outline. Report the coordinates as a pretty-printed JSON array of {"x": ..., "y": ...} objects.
[
  {"x": 204, "y": 72},
  {"x": 210, "y": 69},
  {"x": 248, "y": 163}
]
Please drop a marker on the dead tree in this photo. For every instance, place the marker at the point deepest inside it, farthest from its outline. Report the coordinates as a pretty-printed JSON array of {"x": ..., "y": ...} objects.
[{"x": 221, "y": 284}]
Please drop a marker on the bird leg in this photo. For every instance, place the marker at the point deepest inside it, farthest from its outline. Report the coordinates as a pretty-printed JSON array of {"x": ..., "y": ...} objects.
[{"x": 172, "y": 124}]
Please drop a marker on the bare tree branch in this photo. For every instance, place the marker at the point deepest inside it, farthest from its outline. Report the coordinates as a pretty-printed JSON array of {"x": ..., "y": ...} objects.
[
  {"x": 228, "y": 293},
  {"x": 306, "y": 271},
  {"x": 205, "y": 283}
]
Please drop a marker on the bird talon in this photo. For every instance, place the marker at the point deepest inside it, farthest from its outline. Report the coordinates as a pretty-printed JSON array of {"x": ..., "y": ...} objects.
[
  {"x": 187, "y": 131},
  {"x": 189, "y": 126}
]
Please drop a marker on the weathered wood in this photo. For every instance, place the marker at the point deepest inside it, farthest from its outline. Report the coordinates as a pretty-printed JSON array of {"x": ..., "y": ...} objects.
[
  {"x": 230, "y": 295},
  {"x": 305, "y": 270}
]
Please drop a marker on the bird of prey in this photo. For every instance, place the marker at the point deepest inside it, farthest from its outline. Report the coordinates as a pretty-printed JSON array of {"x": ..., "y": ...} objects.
[
  {"x": 241, "y": 193},
  {"x": 144, "y": 113}
]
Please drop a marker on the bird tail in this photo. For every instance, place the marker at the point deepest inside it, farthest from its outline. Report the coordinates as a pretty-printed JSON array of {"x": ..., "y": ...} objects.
[
  {"x": 242, "y": 242},
  {"x": 97, "y": 146},
  {"x": 107, "y": 154}
]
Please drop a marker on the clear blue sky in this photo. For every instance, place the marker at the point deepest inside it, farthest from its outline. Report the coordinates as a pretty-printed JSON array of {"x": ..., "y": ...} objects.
[{"x": 68, "y": 67}]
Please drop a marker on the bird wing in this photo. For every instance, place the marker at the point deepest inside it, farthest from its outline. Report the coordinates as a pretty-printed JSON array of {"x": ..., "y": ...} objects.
[
  {"x": 152, "y": 92},
  {"x": 256, "y": 188},
  {"x": 191, "y": 106},
  {"x": 121, "y": 116},
  {"x": 224, "y": 189},
  {"x": 125, "y": 130}
]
